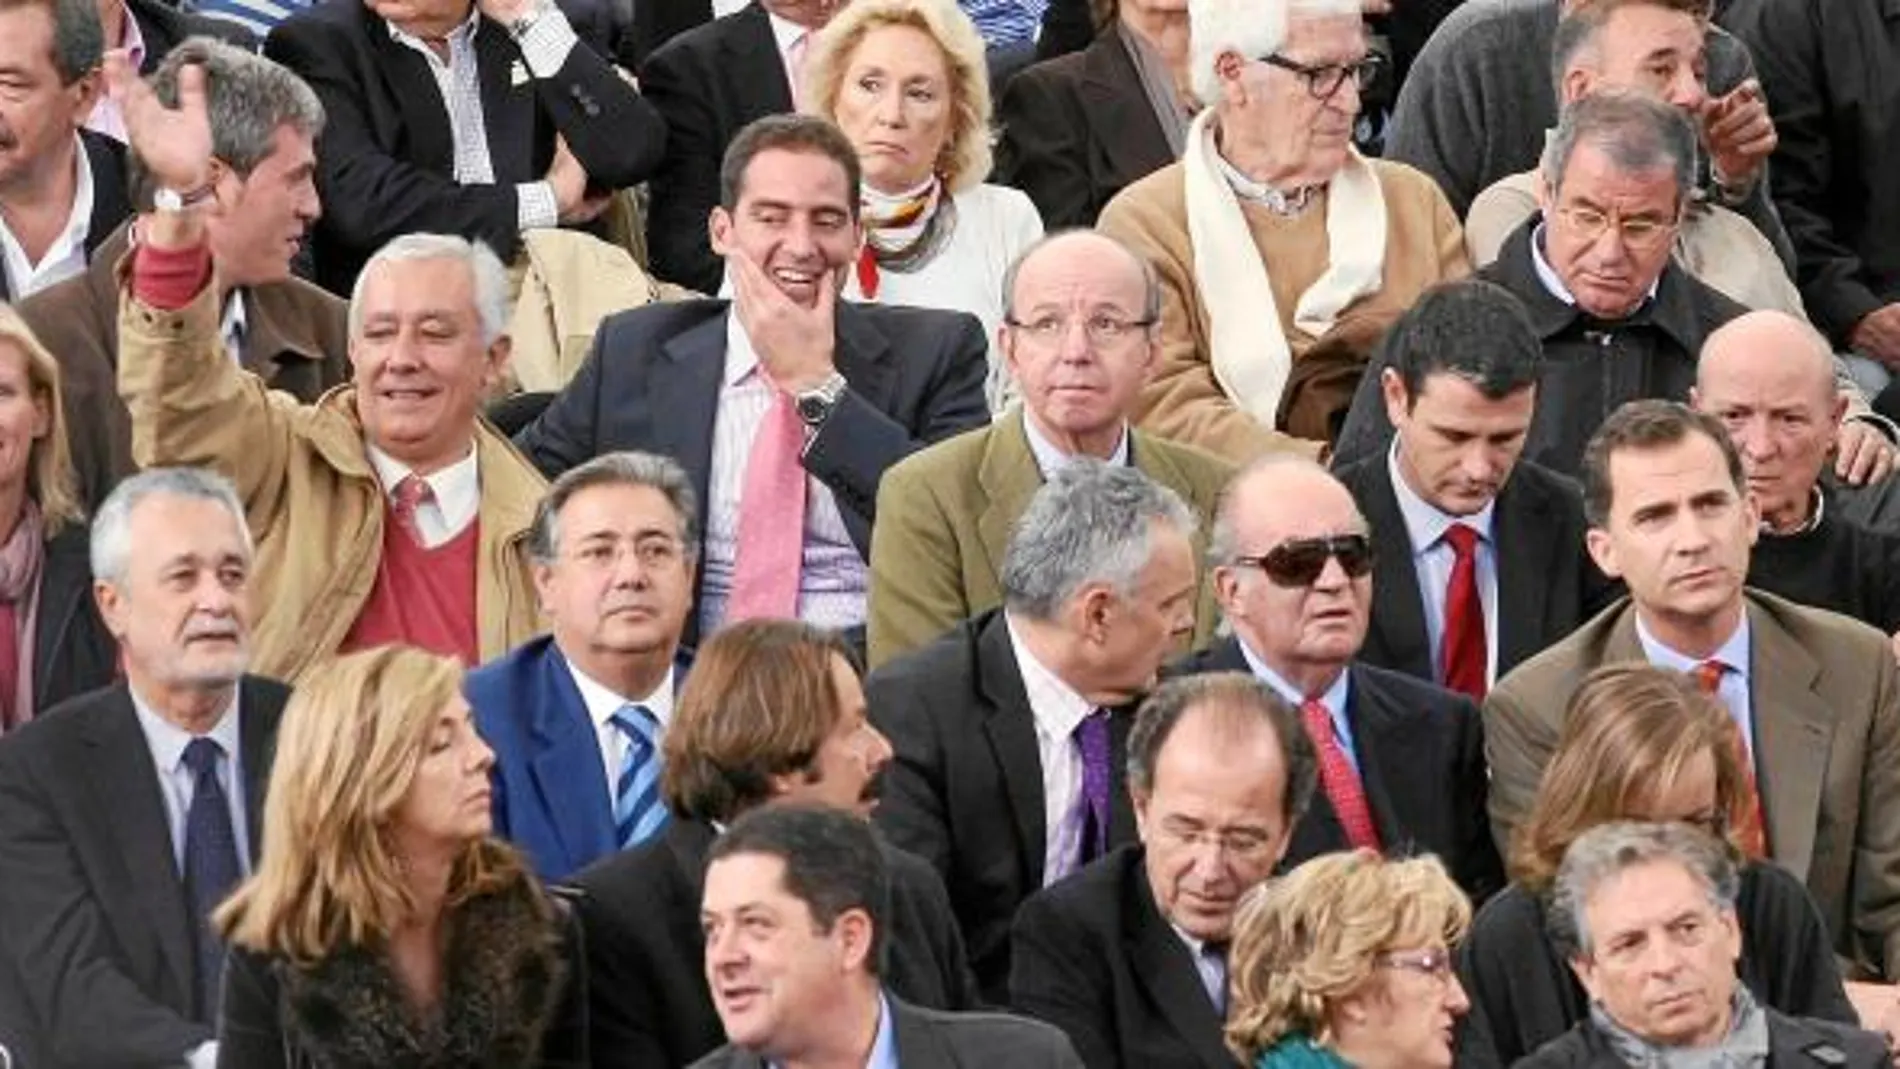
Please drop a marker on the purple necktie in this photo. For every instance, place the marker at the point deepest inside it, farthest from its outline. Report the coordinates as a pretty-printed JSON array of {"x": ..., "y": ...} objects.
[{"x": 1091, "y": 735}]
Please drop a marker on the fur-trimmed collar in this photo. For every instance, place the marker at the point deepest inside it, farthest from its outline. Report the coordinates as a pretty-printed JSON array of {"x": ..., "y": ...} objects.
[{"x": 505, "y": 974}]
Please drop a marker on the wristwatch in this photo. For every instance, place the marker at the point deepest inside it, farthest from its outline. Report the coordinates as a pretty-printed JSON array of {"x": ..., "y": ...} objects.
[
  {"x": 166, "y": 199},
  {"x": 815, "y": 404}
]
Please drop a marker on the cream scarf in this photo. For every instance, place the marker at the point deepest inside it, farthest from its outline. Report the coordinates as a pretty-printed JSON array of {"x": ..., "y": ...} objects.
[{"x": 1251, "y": 358}]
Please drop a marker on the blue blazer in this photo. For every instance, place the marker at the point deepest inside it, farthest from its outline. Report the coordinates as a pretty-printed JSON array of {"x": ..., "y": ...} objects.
[{"x": 550, "y": 789}]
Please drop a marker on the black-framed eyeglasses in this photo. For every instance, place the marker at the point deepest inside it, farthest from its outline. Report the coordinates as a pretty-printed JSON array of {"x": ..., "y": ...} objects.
[
  {"x": 1323, "y": 81},
  {"x": 1300, "y": 561}
]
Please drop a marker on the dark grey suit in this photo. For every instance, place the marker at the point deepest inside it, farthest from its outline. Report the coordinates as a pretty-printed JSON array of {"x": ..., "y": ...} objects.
[{"x": 927, "y": 1039}]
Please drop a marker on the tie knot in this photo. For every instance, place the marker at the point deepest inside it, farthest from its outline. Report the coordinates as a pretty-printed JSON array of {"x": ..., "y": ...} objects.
[
  {"x": 636, "y": 722},
  {"x": 1708, "y": 675},
  {"x": 1463, "y": 538},
  {"x": 201, "y": 755},
  {"x": 412, "y": 491}
]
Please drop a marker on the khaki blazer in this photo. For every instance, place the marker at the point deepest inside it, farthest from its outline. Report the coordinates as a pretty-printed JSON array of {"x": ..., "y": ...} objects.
[
  {"x": 313, "y": 501},
  {"x": 943, "y": 524},
  {"x": 1826, "y": 707}
]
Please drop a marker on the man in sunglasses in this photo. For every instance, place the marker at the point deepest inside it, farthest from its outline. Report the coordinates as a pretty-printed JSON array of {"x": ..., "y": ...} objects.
[
  {"x": 1816, "y": 696},
  {"x": 1401, "y": 760}
]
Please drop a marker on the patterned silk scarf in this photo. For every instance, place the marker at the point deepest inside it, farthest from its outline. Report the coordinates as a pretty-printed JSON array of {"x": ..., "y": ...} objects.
[{"x": 900, "y": 231}]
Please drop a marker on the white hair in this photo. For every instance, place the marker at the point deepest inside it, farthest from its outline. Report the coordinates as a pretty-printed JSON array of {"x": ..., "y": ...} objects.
[
  {"x": 484, "y": 267},
  {"x": 1253, "y": 28}
]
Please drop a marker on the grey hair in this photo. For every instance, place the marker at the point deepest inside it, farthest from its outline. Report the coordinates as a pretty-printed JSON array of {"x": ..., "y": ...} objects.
[
  {"x": 1637, "y": 132},
  {"x": 79, "y": 40},
  {"x": 1090, "y": 523},
  {"x": 1150, "y": 278},
  {"x": 1608, "y": 850},
  {"x": 627, "y": 468},
  {"x": 1223, "y": 541},
  {"x": 1578, "y": 28},
  {"x": 249, "y": 98},
  {"x": 491, "y": 278},
  {"x": 1252, "y": 28},
  {"x": 1250, "y": 700},
  {"x": 111, "y": 546}
]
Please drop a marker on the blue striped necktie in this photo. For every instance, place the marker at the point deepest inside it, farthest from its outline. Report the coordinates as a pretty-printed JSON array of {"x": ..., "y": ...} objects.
[{"x": 638, "y": 812}]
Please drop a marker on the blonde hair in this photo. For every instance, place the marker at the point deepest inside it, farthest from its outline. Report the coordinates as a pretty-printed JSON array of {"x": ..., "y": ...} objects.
[
  {"x": 964, "y": 161},
  {"x": 1630, "y": 730},
  {"x": 347, "y": 751},
  {"x": 1307, "y": 939},
  {"x": 50, "y": 480}
]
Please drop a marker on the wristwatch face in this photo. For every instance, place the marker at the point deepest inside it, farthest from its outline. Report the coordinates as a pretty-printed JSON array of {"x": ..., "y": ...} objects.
[{"x": 813, "y": 408}]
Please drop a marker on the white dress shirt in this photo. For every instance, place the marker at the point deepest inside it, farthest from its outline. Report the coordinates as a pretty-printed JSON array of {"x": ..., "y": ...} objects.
[
  {"x": 66, "y": 256},
  {"x": 1432, "y": 561},
  {"x": 602, "y": 703},
  {"x": 1050, "y": 458},
  {"x": 456, "y": 494},
  {"x": 1734, "y": 687},
  {"x": 1337, "y": 698},
  {"x": 177, "y": 786},
  {"x": 1058, "y": 710}
]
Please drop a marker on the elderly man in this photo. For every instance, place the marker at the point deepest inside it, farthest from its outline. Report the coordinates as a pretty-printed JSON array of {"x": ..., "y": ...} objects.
[
  {"x": 944, "y": 514},
  {"x": 1478, "y": 558},
  {"x": 126, "y": 815},
  {"x": 1130, "y": 957},
  {"x": 1402, "y": 760},
  {"x": 575, "y": 717},
  {"x": 795, "y": 917},
  {"x": 773, "y": 715},
  {"x": 62, "y": 188},
  {"x": 1769, "y": 378},
  {"x": 481, "y": 119},
  {"x": 1007, "y": 729},
  {"x": 1273, "y": 220},
  {"x": 1647, "y": 915},
  {"x": 1816, "y": 695},
  {"x": 264, "y": 125},
  {"x": 387, "y": 512}
]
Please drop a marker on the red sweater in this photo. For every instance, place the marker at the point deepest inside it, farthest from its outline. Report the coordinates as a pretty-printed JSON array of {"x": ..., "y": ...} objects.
[{"x": 422, "y": 597}]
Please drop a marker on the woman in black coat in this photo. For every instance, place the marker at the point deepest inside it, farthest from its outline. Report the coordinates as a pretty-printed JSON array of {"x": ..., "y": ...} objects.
[{"x": 1639, "y": 743}]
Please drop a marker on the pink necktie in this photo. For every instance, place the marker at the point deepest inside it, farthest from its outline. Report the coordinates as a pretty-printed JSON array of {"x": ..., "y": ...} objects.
[
  {"x": 411, "y": 494},
  {"x": 771, "y": 545},
  {"x": 795, "y": 68}
]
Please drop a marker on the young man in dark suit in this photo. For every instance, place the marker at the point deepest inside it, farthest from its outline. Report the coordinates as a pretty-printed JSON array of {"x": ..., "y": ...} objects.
[
  {"x": 1130, "y": 957},
  {"x": 1402, "y": 760},
  {"x": 773, "y": 715},
  {"x": 785, "y": 387},
  {"x": 1479, "y": 559},
  {"x": 795, "y": 916},
  {"x": 575, "y": 717},
  {"x": 127, "y": 814}
]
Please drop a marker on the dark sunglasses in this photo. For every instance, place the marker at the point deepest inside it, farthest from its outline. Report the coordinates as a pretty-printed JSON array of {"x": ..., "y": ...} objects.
[{"x": 1299, "y": 562}]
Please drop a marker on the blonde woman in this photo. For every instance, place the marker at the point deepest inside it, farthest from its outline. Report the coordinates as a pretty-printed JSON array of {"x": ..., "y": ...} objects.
[
  {"x": 384, "y": 926},
  {"x": 905, "y": 80},
  {"x": 53, "y": 644},
  {"x": 1346, "y": 961}
]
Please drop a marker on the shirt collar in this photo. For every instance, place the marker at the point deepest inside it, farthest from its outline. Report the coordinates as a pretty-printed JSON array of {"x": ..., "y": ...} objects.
[
  {"x": 785, "y": 32},
  {"x": 1733, "y": 653},
  {"x": 1050, "y": 458},
  {"x": 1334, "y": 698},
  {"x": 1554, "y": 284},
  {"x": 1065, "y": 709},
  {"x": 168, "y": 741},
  {"x": 458, "y": 35},
  {"x": 235, "y": 323},
  {"x": 455, "y": 487},
  {"x": 603, "y": 702},
  {"x": 741, "y": 359},
  {"x": 883, "y": 1045},
  {"x": 1426, "y": 523}
]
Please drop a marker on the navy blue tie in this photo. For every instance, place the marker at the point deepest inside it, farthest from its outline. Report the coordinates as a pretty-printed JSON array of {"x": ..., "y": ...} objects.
[{"x": 211, "y": 865}]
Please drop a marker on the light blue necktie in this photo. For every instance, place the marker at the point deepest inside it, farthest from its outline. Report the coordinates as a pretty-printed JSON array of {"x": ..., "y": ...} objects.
[{"x": 638, "y": 811}]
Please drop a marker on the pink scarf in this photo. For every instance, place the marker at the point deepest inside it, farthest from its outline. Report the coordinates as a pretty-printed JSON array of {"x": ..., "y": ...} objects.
[{"x": 22, "y": 560}]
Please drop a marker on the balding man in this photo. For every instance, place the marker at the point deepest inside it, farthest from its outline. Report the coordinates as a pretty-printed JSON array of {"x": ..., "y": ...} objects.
[
  {"x": 1401, "y": 759},
  {"x": 944, "y": 514},
  {"x": 1769, "y": 378}
]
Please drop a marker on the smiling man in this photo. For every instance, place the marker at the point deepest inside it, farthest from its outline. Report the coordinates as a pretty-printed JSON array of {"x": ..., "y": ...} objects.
[
  {"x": 785, "y": 405},
  {"x": 1815, "y": 695},
  {"x": 387, "y": 511}
]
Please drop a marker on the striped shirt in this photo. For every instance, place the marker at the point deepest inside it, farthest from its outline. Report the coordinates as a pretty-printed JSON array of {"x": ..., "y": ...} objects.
[{"x": 1006, "y": 22}]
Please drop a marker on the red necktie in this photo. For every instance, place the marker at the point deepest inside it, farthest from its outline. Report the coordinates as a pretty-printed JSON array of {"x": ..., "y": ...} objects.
[
  {"x": 1337, "y": 778},
  {"x": 1752, "y": 832},
  {"x": 771, "y": 544},
  {"x": 1463, "y": 656},
  {"x": 412, "y": 492}
]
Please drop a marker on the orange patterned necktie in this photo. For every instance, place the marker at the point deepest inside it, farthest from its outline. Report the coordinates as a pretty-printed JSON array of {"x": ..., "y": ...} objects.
[{"x": 1752, "y": 832}]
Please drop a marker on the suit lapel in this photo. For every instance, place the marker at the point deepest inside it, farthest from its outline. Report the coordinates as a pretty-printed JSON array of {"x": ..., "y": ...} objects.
[
  {"x": 1399, "y": 625},
  {"x": 1008, "y": 477},
  {"x": 683, "y": 392},
  {"x": 567, "y": 765},
  {"x": 1793, "y": 736},
  {"x": 508, "y": 108},
  {"x": 125, "y": 787},
  {"x": 258, "y": 715},
  {"x": 406, "y": 77},
  {"x": 750, "y": 46},
  {"x": 918, "y": 1045},
  {"x": 1112, "y": 94},
  {"x": 1379, "y": 746},
  {"x": 1163, "y": 965},
  {"x": 1526, "y": 565},
  {"x": 862, "y": 356},
  {"x": 1010, "y": 728}
]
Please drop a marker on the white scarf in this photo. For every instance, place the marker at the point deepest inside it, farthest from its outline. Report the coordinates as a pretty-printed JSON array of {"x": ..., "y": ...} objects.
[{"x": 1252, "y": 364}]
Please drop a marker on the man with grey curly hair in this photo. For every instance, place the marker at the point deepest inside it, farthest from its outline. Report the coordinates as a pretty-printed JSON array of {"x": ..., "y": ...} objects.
[{"x": 1008, "y": 730}]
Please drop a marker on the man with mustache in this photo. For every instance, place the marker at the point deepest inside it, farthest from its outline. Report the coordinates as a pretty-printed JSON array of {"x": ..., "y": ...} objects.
[
  {"x": 772, "y": 715},
  {"x": 785, "y": 405},
  {"x": 127, "y": 814},
  {"x": 1479, "y": 559},
  {"x": 1815, "y": 695},
  {"x": 575, "y": 717}
]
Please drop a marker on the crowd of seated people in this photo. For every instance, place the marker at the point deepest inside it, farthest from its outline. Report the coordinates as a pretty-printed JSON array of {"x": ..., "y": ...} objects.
[{"x": 1060, "y": 534}]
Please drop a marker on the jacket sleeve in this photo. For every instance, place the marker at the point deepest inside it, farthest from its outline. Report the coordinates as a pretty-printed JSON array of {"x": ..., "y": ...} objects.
[
  {"x": 1517, "y": 745},
  {"x": 1436, "y": 121},
  {"x": 1043, "y": 152},
  {"x": 192, "y": 406},
  {"x": 911, "y": 810},
  {"x": 563, "y": 436},
  {"x": 248, "y": 1033},
  {"x": 615, "y": 133},
  {"x": 686, "y": 186},
  {"x": 1876, "y": 867},
  {"x": 1481, "y": 869},
  {"x": 1054, "y": 977},
  {"x": 90, "y": 1011},
  {"x": 917, "y": 576}
]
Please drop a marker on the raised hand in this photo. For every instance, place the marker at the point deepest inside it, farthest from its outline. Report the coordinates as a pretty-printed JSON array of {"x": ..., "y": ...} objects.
[
  {"x": 174, "y": 143},
  {"x": 1738, "y": 133},
  {"x": 795, "y": 342}
]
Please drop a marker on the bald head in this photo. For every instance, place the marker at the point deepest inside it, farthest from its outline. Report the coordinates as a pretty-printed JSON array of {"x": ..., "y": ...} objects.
[
  {"x": 1767, "y": 345},
  {"x": 1278, "y": 497},
  {"x": 1064, "y": 252}
]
